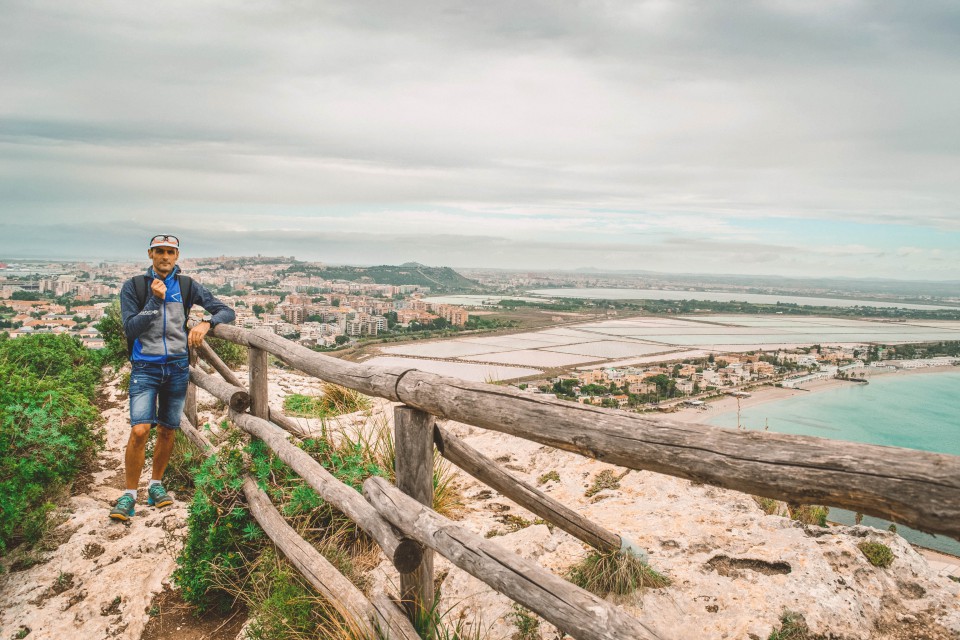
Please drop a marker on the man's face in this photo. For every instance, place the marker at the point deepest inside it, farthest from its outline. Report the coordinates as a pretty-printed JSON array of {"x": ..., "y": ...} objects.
[{"x": 164, "y": 258}]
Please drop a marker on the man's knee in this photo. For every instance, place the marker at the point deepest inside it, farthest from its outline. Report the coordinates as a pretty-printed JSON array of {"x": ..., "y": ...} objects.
[
  {"x": 139, "y": 433},
  {"x": 165, "y": 433}
]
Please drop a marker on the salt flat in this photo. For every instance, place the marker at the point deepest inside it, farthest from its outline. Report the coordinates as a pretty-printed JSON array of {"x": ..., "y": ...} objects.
[
  {"x": 534, "y": 357},
  {"x": 641, "y": 340},
  {"x": 466, "y": 371}
]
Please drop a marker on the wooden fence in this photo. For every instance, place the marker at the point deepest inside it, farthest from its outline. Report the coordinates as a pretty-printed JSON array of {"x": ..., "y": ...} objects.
[{"x": 915, "y": 488}]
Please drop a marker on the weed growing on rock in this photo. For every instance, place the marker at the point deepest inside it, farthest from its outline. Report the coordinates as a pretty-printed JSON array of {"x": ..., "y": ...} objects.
[
  {"x": 549, "y": 475},
  {"x": 877, "y": 553},
  {"x": 809, "y": 514},
  {"x": 615, "y": 572},
  {"x": 528, "y": 625},
  {"x": 769, "y": 506},
  {"x": 792, "y": 627},
  {"x": 606, "y": 479}
]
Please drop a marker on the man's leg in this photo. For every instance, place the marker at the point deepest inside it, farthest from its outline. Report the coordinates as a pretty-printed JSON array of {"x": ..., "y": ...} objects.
[
  {"x": 161, "y": 451},
  {"x": 134, "y": 458},
  {"x": 143, "y": 413},
  {"x": 170, "y": 399}
]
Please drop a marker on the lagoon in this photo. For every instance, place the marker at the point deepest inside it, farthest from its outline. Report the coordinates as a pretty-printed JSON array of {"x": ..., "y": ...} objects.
[
  {"x": 918, "y": 411},
  {"x": 724, "y": 296}
]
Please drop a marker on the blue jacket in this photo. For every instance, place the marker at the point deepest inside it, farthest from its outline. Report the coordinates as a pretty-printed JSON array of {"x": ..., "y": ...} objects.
[{"x": 159, "y": 328}]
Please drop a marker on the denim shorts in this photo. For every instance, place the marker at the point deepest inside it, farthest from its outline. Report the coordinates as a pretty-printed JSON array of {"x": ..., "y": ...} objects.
[{"x": 158, "y": 392}]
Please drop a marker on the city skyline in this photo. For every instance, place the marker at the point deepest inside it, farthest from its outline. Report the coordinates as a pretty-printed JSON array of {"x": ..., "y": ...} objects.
[{"x": 802, "y": 139}]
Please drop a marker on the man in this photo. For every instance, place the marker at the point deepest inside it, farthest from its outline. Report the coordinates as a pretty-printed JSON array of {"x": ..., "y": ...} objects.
[{"x": 155, "y": 322}]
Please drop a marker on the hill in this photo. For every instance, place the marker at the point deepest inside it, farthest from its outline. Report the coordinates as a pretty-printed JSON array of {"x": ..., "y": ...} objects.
[{"x": 440, "y": 279}]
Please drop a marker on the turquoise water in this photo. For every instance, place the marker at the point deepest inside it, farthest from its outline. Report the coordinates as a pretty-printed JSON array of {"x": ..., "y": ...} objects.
[{"x": 919, "y": 411}]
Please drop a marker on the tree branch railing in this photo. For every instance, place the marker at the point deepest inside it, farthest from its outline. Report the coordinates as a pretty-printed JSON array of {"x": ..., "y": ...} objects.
[{"x": 915, "y": 488}]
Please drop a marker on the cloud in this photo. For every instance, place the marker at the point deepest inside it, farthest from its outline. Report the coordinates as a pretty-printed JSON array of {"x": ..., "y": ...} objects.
[{"x": 530, "y": 123}]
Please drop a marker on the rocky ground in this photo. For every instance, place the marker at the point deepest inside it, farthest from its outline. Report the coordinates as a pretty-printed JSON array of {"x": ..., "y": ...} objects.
[
  {"x": 734, "y": 570},
  {"x": 95, "y": 578}
]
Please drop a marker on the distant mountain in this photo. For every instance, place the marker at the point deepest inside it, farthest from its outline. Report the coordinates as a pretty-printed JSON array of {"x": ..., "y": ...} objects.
[{"x": 442, "y": 279}]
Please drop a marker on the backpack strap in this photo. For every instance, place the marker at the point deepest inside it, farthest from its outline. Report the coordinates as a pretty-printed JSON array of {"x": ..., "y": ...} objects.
[
  {"x": 186, "y": 294},
  {"x": 140, "y": 286}
]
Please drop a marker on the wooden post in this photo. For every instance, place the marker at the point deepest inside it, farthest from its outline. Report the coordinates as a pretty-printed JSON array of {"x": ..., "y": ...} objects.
[
  {"x": 190, "y": 406},
  {"x": 258, "y": 382},
  {"x": 413, "y": 431}
]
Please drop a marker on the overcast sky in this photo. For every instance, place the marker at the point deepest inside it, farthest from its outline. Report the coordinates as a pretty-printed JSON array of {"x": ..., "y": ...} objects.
[{"x": 783, "y": 137}]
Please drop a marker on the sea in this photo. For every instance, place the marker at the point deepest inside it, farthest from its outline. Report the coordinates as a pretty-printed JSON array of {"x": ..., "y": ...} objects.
[{"x": 917, "y": 411}]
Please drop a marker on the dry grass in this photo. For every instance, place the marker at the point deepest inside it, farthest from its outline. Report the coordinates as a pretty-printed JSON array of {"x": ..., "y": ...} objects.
[
  {"x": 615, "y": 572},
  {"x": 376, "y": 437},
  {"x": 283, "y": 605}
]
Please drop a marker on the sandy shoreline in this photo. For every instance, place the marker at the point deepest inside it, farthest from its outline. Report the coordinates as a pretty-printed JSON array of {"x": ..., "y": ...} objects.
[{"x": 765, "y": 394}]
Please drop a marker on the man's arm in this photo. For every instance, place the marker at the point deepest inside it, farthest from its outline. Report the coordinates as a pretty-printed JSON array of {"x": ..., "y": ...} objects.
[{"x": 135, "y": 320}]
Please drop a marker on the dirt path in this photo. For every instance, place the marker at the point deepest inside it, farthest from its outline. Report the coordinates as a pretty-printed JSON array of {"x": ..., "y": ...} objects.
[{"x": 97, "y": 578}]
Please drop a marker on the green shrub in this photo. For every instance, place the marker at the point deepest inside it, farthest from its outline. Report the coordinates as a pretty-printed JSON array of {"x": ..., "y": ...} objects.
[
  {"x": 282, "y": 604},
  {"x": 233, "y": 355},
  {"x": 48, "y": 426},
  {"x": 615, "y": 572},
  {"x": 114, "y": 340},
  {"x": 877, "y": 553},
  {"x": 224, "y": 541}
]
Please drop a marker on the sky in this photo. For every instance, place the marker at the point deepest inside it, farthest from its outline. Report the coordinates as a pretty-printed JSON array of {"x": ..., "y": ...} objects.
[{"x": 786, "y": 137}]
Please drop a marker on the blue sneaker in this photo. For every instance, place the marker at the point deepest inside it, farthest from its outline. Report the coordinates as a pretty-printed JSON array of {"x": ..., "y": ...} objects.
[
  {"x": 157, "y": 496},
  {"x": 123, "y": 510}
]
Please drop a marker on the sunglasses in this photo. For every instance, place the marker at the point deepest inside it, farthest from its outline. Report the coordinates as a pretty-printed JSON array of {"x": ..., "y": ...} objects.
[{"x": 162, "y": 238}]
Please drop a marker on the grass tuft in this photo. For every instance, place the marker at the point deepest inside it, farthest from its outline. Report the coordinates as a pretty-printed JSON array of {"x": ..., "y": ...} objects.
[
  {"x": 615, "y": 572},
  {"x": 334, "y": 401},
  {"x": 809, "y": 514},
  {"x": 769, "y": 506},
  {"x": 877, "y": 553},
  {"x": 792, "y": 627}
]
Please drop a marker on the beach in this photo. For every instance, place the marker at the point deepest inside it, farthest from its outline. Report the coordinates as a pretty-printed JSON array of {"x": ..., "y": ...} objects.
[{"x": 768, "y": 393}]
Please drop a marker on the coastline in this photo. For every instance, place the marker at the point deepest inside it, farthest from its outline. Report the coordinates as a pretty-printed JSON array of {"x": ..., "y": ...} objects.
[
  {"x": 945, "y": 563},
  {"x": 767, "y": 393}
]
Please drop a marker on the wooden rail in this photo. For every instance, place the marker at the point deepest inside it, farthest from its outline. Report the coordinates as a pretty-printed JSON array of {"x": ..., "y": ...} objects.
[
  {"x": 915, "y": 488},
  {"x": 369, "y": 616}
]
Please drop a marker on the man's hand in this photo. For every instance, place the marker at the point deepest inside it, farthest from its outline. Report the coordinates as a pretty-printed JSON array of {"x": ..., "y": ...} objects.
[
  {"x": 197, "y": 334},
  {"x": 159, "y": 289}
]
